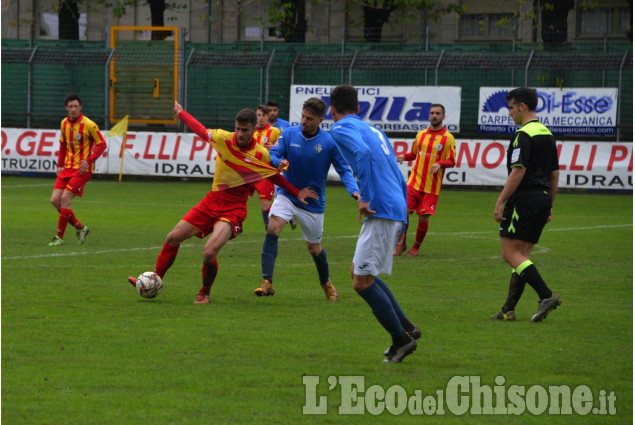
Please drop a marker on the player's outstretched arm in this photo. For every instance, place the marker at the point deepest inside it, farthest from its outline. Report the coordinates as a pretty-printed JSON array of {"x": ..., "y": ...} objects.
[
  {"x": 191, "y": 122},
  {"x": 301, "y": 195}
]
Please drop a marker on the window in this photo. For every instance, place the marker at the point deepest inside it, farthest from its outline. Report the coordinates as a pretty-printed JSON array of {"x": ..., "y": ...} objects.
[
  {"x": 471, "y": 25},
  {"x": 598, "y": 22},
  {"x": 493, "y": 26}
]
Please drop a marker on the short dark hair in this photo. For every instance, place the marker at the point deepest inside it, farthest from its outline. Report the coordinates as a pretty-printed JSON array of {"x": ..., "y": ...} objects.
[
  {"x": 344, "y": 99},
  {"x": 272, "y": 103},
  {"x": 263, "y": 108},
  {"x": 315, "y": 105},
  {"x": 72, "y": 97},
  {"x": 247, "y": 116},
  {"x": 525, "y": 95},
  {"x": 438, "y": 105}
]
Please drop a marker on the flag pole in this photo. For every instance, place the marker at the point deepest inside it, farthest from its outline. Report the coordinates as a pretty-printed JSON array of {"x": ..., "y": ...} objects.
[
  {"x": 120, "y": 129},
  {"x": 123, "y": 147}
]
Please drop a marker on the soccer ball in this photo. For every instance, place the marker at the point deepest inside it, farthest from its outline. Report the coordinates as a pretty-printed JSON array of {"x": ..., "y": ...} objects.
[{"x": 149, "y": 284}]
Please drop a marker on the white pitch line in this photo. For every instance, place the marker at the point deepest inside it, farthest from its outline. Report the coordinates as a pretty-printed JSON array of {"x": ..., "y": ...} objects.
[
  {"x": 540, "y": 249},
  {"x": 27, "y": 185}
]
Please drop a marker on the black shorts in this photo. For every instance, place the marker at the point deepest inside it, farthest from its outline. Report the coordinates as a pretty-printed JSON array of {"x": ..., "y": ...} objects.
[{"x": 526, "y": 214}]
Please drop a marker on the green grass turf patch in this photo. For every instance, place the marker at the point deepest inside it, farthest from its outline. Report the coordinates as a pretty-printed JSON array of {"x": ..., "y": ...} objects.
[{"x": 80, "y": 346}]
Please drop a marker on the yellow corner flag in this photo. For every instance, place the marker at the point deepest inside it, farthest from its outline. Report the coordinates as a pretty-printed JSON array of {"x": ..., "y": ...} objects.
[{"x": 120, "y": 128}]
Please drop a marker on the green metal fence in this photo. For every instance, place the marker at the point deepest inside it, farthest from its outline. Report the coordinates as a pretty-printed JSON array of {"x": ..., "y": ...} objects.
[{"x": 218, "y": 80}]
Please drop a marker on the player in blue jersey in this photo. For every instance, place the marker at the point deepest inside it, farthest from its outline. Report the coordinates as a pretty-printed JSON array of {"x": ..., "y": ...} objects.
[
  {"x": 310, "y": 151},
  {"x": 273, "y": 116},
  {"x": 383, "y": 203}
]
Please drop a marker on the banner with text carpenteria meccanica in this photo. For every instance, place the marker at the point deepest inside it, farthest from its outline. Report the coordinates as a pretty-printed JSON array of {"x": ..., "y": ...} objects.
[
  {"x": 571, "y": 111},
  {"x": 388, "y": 108}
]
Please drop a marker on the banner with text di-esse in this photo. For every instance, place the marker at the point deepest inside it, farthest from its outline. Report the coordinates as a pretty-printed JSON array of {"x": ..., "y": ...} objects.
[
  {"x": 583, "y": 165},
  {"x": 577, "y": 111}
]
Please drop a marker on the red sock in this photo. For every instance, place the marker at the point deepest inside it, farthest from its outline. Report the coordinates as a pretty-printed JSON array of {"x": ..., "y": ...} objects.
[
  {"x": 209, "y": 275},
  {"x": 62, "y": 222},
  {"x": 422, "y": 229},
  {"x": 165, "y": 259},
  {"x": 73, "y": 221}
]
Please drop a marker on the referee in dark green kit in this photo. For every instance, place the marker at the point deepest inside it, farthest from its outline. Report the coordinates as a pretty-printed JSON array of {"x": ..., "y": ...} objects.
[{"x": 524, "y": 205}]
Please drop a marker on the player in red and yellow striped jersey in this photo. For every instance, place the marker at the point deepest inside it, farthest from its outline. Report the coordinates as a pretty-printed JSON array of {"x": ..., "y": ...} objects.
[
  {"x": 81, "y": 143},
  {"x": 433, "y": 150},
  {"x": 267, "y": 136},
  {"x": 240, "y": 161}
]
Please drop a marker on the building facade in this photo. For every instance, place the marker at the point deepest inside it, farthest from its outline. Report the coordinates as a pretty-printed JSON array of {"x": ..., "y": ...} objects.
[{"x": 235, "y": 21}]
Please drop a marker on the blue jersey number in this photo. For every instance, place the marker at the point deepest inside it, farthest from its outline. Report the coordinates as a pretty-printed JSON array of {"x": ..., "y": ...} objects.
[{"x": 382, "y": 139}]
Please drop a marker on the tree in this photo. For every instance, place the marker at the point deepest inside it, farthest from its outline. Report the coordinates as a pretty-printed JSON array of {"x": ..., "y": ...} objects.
[
  {"x": 377, "y": 13},
  {"x": 157, "y": 12},
  {"x": 554, "y": 14},
  {"x": 629, "y": 32},
  {"x": 291, "y": 24},
  {"x": 289, "y": 16},
  {"x": 548, "y": 17},
  {"x": 68, "y": 17}
]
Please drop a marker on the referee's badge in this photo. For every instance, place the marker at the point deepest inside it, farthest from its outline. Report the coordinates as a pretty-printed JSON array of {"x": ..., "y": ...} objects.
[{"x": 317, "y": 148}]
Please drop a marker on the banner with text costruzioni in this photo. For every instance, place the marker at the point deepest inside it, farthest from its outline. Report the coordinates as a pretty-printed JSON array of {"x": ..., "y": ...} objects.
[{"x": 583, "y": 165}]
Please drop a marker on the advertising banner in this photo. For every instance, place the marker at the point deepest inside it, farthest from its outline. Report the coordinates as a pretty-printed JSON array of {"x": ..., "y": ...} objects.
[
  {"x": 388, "y": 108},
  {"x": 571, "y": 111},
  {"x": 583, "y": 165}
]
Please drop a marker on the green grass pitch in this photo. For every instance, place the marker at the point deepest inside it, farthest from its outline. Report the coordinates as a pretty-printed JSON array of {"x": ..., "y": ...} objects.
[{"x": 80, "y": 346}]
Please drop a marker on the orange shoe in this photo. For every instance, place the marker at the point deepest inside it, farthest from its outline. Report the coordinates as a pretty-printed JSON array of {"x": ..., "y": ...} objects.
[
  {"x": 400, "y": 246},
  {"x": 399, "y": 249},
  {"x": 266, "y": 289},
  {"x": 132, "y": 281},
  {"x": 202, "y": 298},
  {"x": 330, "y": 291},
  {"x": 414, "y": 251}
]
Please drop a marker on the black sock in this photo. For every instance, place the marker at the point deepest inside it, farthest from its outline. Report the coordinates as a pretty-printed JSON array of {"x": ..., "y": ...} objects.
[
  {"x": 265, "y": 218},
  {"x": 401, "y": 340},
  {"x": 516, "y": 288},
  {"x": 407, "y": 325},
  {"x": 532, "y": 277},
  {"x": 322, "y": 266},
  {"x": 269, "y": 255}
]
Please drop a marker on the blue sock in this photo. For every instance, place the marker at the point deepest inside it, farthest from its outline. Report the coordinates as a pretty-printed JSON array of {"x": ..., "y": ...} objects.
[
  {"x": 269, "y": 254},
  {"x": 383, "y": 310},
  {"x": 265, "y": 218},
  {"x": 322, "y": 265},
  {"x": 395, "y": 305}
]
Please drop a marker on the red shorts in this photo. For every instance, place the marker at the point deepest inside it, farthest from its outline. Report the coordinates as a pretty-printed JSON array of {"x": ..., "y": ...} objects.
[
  {"x": 209, "y": 211},
  {"x": 422, "y": 203},
  {"x": 69, "y": 179},
  {"x": 265, "y": 189}
]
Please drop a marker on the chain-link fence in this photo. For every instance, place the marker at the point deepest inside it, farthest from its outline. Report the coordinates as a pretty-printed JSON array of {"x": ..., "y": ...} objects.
[{"x": 215, "y": 81}]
